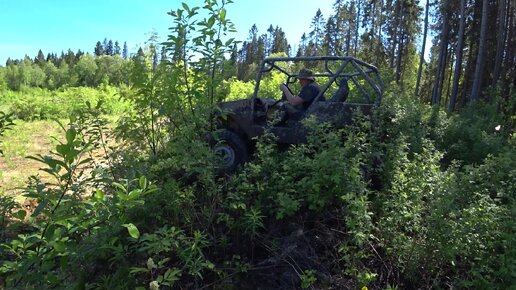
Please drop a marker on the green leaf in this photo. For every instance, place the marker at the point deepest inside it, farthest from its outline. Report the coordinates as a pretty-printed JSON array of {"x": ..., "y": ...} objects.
[
  {"x": 37, "y": 157},
  {"x": 62, "y": 149},
  {"x": 99, "y": 195},
  {"x": 21, "y": 214},
  {"x": 41, "y": 206},
  {"x": 60, "y": 246},
  {"x": 211, "y": 21},
  {"x": 70, "y": 135},
  {"x": 185, "y": 6},
  {"x": 229, "y": 41},
  {"x": 223, "y": 15},
  {"x": 133, "y": 230},
  {"x": 172, "y": 275},
  {"x": 143, "y": 182},
  {"x": 120, "y": 186},
  {"x": 136, "y": 270}
]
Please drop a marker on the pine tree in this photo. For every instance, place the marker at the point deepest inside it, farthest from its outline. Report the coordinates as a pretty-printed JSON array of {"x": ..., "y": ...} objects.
[
  {"x": 70, "y": 58},
  {"x": 78, "y": 55},
  {"x": 479, "y": 68},
  {"x": 423, "y": 47},
  {"x": 109, "y": 50},
  {"x": 317, "y": 33},
  {"x": 99, "y": 49},
  {"x": 280, "y": 43},
  {"x": 269, "y": 40},
  {"x": 339, "y": 22},
  {"x": 51, "y": 57},
  {"x": 105, "y": 45},
  {"x": 117, "y": 48},
  {"x": 302, "y": 49},
  {"x": 125, "y": 52},
  {"x": 40, "y": 59},
  {"x": 458, "y": 60},
  {"x": 501, "y": 35}
]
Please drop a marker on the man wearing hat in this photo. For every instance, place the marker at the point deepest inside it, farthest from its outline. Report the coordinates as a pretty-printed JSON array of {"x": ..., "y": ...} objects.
[{"x": 309, "y": 90}]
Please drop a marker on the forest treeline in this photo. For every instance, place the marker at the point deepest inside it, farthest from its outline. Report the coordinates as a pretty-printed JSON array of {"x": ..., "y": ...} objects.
[{"x": 472, "y": 54}]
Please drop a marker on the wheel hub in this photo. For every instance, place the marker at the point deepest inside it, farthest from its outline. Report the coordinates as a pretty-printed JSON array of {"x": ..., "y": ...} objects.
[{"x": 226, "y": 153}]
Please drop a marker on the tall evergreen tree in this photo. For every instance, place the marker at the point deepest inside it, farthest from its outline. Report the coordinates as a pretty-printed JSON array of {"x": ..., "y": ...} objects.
[
  {"x": 40, "y": 59},
  {"x": 109, "y": 49},
  {"x": 479, "y": 67},
  {"x": 303, "y": 44},
  {"x": 105, "y": 45},
  {"x": 443, "y": 54},
  {"x": 99, "y": 49},
  {"x": 269, "y": 40},
  {"x": 317, "y": 34},
  {"x": 117, "y": 48},
  {"x": 70, "y": 58},
  {"x": 125, "y": 51},
  {"x": 338, "y": 21},
  {"x": 458, "y": 60},
  {"x": 423, "y": 47},
  {"x": 331, "y": 38},
  {"x": 78, "y": 55},
  {"x": 501, "y": 39},
  {"x": 51, "y": 57},
  {"x": 280, "y": 43}
]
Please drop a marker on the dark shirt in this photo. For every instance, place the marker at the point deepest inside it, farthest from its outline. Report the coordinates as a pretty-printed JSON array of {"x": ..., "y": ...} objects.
[{"x": 308, "y": 94}]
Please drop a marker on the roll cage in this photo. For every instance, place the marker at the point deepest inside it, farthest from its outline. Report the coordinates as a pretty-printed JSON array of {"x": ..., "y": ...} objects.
[{"x": 364, "y": 76}]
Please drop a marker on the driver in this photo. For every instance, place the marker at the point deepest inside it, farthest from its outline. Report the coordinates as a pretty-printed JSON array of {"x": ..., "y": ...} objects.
[{"x": 309, "y": 90}]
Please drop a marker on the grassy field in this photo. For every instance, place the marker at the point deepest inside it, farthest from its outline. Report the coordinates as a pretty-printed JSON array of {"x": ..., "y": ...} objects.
[{"x": 25, "y": 139}]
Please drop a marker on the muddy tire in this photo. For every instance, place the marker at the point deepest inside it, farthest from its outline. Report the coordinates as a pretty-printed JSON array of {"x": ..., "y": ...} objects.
[{"x": 231, "y": 149}]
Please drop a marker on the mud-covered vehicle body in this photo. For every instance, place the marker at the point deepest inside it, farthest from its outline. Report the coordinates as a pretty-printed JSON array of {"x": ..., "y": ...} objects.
[{"x": 348, "y": 86}]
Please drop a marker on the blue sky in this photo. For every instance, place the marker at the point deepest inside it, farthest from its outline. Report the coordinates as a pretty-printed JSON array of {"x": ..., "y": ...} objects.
[{"x": 57, "y": 25}]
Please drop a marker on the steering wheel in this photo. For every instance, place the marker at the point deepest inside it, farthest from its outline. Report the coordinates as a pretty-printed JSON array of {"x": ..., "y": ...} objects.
[{"x": 282, "y": 99}]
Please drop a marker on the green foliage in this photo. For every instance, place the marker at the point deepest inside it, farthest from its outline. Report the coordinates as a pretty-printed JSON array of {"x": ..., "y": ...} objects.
[
  {"x": 39, "y": 104},
  {"x": 6, "y": 122},
  {"x": 234, "y": 89},
  {"x": 88, "y": 70},
  {"x": 478, "y": 131},
  {"x": 67, "y": 218},
  {"x": 286, "y": 183},
  {"x": 435, "y": 221},
  {"x": 308, "y": 279}
]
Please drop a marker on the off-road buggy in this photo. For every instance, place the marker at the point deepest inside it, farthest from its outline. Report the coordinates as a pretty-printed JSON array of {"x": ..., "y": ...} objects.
[{"x": 348, "y": 86}]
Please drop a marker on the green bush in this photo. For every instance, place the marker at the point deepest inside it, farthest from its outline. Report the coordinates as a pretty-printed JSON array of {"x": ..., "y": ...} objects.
[{"x": 479, "y": 130}]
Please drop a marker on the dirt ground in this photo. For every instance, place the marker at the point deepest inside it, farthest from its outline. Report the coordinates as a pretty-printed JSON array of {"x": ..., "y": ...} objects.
[{"x": 25, "y": 139}]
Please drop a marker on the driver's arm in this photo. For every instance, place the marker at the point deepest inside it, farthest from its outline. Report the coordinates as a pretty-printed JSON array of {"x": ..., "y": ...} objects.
[{"x": 293, "y": 100}]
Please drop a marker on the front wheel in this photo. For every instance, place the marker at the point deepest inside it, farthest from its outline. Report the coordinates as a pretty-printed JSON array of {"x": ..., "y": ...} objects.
[{"x": 231, "y": 150}]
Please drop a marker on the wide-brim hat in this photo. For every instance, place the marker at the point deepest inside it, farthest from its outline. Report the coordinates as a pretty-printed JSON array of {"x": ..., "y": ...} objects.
[{"x": 305, "y": 74}]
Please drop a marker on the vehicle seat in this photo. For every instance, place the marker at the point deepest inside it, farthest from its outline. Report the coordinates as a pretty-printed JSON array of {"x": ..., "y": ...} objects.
[{"x": 342, "y": 92}]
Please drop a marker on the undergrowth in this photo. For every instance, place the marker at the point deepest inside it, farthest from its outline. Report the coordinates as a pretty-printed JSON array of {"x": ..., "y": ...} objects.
[{"x": 306, "y": 216}]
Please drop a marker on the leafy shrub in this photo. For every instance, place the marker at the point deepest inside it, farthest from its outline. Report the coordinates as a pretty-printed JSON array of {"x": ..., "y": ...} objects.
[{"x": 478, "y": 131}]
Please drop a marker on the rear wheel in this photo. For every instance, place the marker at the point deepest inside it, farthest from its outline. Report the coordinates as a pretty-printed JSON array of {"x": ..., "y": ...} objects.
[{"x": 231, "y": 149}]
